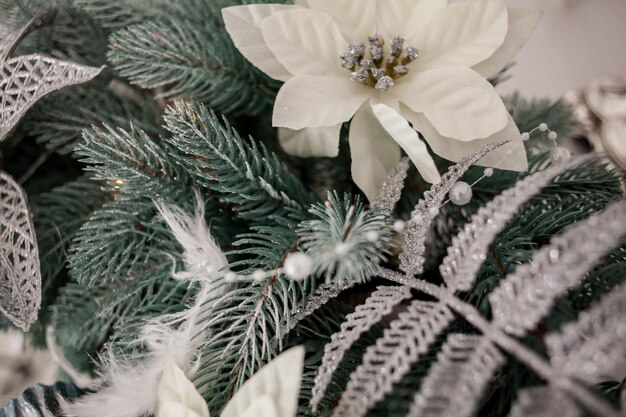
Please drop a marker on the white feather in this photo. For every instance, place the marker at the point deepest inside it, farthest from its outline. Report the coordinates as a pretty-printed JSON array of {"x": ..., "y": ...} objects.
[{"x": 131, "y": 388}]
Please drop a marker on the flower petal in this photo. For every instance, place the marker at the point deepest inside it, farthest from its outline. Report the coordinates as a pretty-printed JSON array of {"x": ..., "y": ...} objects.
[
  {"x": 465, "y": 33},
  {"x": 374, "y": 152},
  {"x": 279, "y": 380},
  {"x": 306, "y": 101},
  {"x": 243, "y": 24},
  {"x": 406, "y": 17},
  {"x": 460, "y": 103},
  {"x": 262, "y": 407},
  {"x": 174, "y": 389},
  {"x": 522, "y": 24},
  {"x": 399, "y": 129},
  {"x": 455, "y": 150},
  {"x": 306, "y": 42},
  {"x": 314, "y": 142},
  {"x": 355, "y": 19}
]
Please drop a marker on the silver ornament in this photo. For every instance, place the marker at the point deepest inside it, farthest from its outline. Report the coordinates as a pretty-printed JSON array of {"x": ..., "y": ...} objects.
[{"x": 20, "y": 279}]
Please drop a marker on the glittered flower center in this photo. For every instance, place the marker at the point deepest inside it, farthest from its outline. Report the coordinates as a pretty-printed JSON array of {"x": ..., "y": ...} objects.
[{"x": 373, "y": 66}]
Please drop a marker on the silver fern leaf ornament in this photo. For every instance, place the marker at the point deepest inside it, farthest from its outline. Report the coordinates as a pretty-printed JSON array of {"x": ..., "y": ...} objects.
[{"x": 20, "y": 274}]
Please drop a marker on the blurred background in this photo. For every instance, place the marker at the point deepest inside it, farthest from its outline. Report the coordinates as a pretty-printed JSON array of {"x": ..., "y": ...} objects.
[{"x": 576, "y": 42}]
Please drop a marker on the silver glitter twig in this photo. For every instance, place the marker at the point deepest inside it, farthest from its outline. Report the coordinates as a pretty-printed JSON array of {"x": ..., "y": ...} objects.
[
  {"x": 455, "y": 383},
  {"x": 386, "y": 362},
  {"x": 468, "y": 249},
  {"x": 20, "y": 279},
  {"x": 527, "y": 295},
  {"x": 378, "y": 305},
  {"x": 391, "y": 190},
  {"x": 412, "y": 256},
  {"x": 592, "y": 347}
]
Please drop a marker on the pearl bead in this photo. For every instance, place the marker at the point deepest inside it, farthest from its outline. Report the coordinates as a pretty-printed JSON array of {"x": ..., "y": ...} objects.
[
  {"x": 553, "y": 136},
  {"x": 488, "y": 172},
  {"x": 298, "y": 266},
  {"x": 543, "y": 127},
  {"x": 372, "y": 236},
  {"x": 461, "y": 193},
  {"x": 560, "y": 155},
  {"x": 434, "y": 212},
  {"x": 258, "y": 275},
  {"x": 525, "y": 136},
  {"x": 399, "y": 226}
]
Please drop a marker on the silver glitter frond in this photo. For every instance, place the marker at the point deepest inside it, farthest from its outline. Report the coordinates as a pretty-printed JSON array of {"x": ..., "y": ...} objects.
[
  {"x": 527, "y": 295},
  {"x": 20, "y": 282},
  {"x": 386, "y": 362},
  {"x": 468, "y": 250},
  {"x": 26, "y": 79},
  {"x": 378, "y": 305},
  {"x": 544, "y": 402},
  {"x": 322, "y": 295},
  {"x": 455, "y": 383},
  {"x": 391, "y": 190},
  {"x": 412, "y": 256},
  {"x": 595, "y": 345}
]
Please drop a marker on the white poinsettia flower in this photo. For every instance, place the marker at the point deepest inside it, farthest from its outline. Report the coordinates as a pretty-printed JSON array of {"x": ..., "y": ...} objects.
[
  {"x": 271, "y": 392},
  {"x": 381, "y": 63}
]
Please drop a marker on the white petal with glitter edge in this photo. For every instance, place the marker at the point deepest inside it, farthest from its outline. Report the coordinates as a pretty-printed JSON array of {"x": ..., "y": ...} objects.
[
  {"x": 374, "y": 152},
  {"x": 305, "y": 42},
  {"x": 312, "y": 142},
  {"x": 454, "y": 150},
  {"x": 399, "y": 129},
  {"x": 465, "y": 33},
  {"x": 278, "y": 381},
  {"x": 243, "y": 24},
  {"x": 522, "y": 24},
  {"x": 178, "y": 397},
  {"x": 306, "y": 101},
  {"x": 458, "y": 102}
]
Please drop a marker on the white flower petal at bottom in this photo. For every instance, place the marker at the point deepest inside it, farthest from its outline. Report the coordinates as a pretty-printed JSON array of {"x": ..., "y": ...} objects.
[
  {"x": 306, "y": 101},
  {"x": 454, "y": 150},
  {"x": 262, "y": 407},
  {"x": 313, "y": 142},
  {"x": 374, "y": 152},
  {"x": 178, "y": 397},
  {"x": 399, "y": 129}
]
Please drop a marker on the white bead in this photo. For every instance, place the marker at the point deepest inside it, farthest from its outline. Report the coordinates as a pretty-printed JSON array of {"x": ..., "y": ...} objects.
[
  {"x": 543, "y": 127},
  {"x": 342, "y": 248},
  {"x": 461, "y": 193},
  {"x": 434, "y": 212},
  {"x": 488, "y": 172},
  {"x": 553, "y": 136},
  {"x": 525, "y": 136},
  {"x": 560, "y": 155},
  {"x": 298, "y": 266},
  {"x": 399, "y": 226},
  {"x": 372, "y": 236},
  {"x": 230, "y": 276},
  {"x": 258, "y": 275}
]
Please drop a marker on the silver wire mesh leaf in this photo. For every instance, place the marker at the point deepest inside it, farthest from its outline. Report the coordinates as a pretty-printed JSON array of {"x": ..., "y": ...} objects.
[
  {"x": 412, "y": 256},
  {"x": 469, "y": 248},
  {"x": 386, "y": 362},
  {"x": 544, "y": 401},
  {"x": 391, "y": 190},
  {"x": 20, "y": 279},
  {"x": 595, "y": 345},
  {"x": 26, "y": 79},
  {"x": 528, "y": 294},
  {"x": 42, "y": 401},
  {"x": 378, "y": 305},
  {"x": 455, "y": 383}
]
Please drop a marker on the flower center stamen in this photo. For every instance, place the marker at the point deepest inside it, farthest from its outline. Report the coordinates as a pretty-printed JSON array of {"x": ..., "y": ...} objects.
[{"x": 377, "y": 70}]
